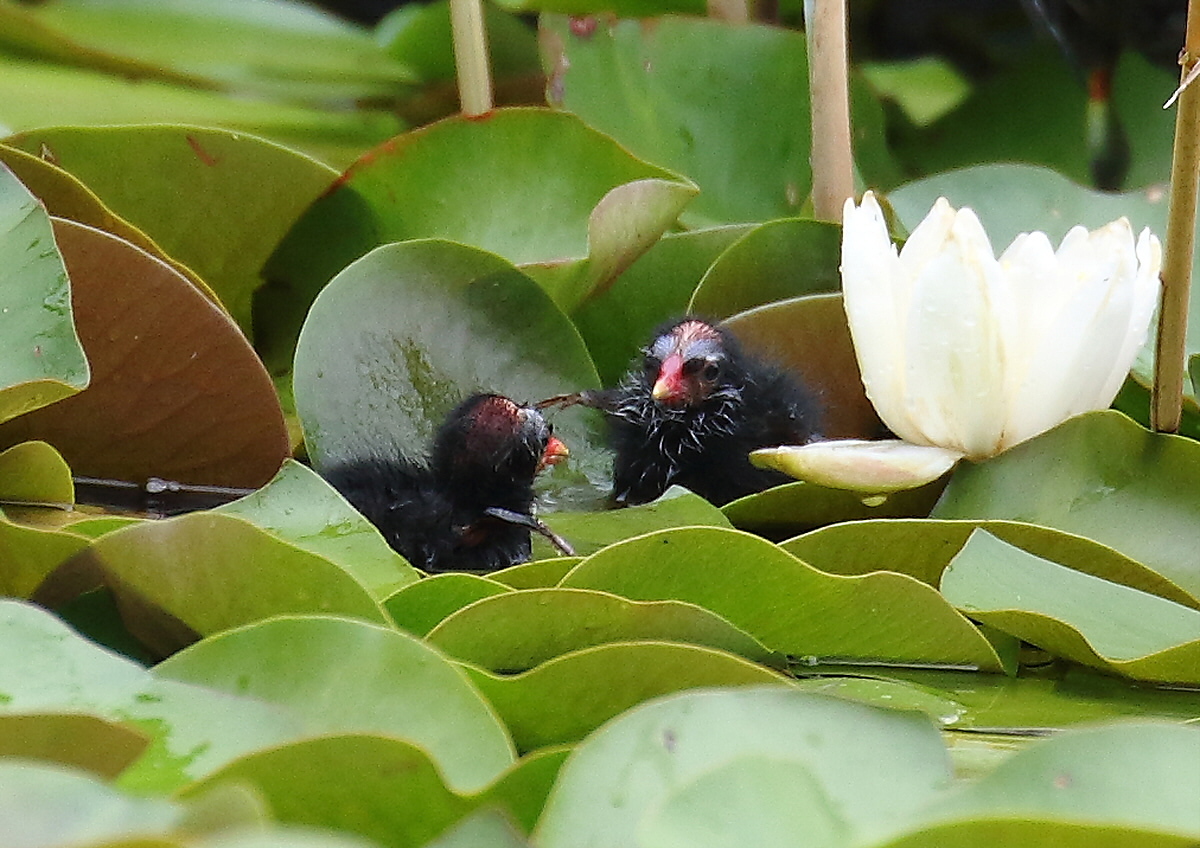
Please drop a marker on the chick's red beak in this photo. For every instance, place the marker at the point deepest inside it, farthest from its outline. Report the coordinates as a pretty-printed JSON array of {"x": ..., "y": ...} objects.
[
  {"x": 670, "y": 386},
  {"x": 554, "y": 453}
]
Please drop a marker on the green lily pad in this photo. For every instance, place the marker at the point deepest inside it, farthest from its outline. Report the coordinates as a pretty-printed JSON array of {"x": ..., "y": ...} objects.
[
  {"x": 997, "y": 123},
  {"x": 343, "y": 676},
  {"x": 522, "y": 790},
  {"x": 176, "y": 392},
  {"x": 382, "y": 788},
  {"x": 34, "y": 472},
  {"x": 222, "y": 232},
  {"x": 1120, "y": 784},
  {"x": 419, "y": 606},
  {"x": 496, "y": 191},
  {"x": 406, "y": 332},
  {"x": 691, "y": 98},
  {"x": 923, "y": 548},
  {"x": 1098, "y": 475},
  {"x": 298, "y": 507},
  {"x": 486, "y": 827},
  {"x": 47, "y": 667},
  {"x": 742, "y": 800},
  {"x": 43, "y": 360},
  {"x": 774, "y": 261},
  {"x": 37, "y": 94},
  {"x": 369, "y": 785},
  {"x": 29, "y": 554},
  {"x": 539, "y": 574},
  {"x": 785, "y": 603},
  {"x": 208, "y": 572},
  {"x": 420, "y": 38},
  {"x": 809, "y": 336},
  {"x": 566, "y": 698},
  {"x": 1037, "y": 701},
  {"x": 621, "y": 773},
  {"x": 588, "y": 532},
  {"x": 618, "y": 323},
  {"x": 516, "y": 631},
  {"x": 87, "y": 742},
  {"x": 1072, "y": 614},
  {"x": 279, "y": 49},
  {"x": 64, "y": 196},
  {"x": 45, "y": 805}
]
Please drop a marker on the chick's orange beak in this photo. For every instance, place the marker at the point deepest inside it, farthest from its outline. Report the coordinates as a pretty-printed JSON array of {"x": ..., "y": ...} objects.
[
  {"x": 554, "y": 453},
  {"x": 670, "y": 385}
]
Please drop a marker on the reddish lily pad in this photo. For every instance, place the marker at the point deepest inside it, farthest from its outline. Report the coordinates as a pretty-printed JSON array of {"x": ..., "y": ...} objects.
[
  {"x": 177, "y": 391},
  {"x": 102, "y": 747},
  {"x": 810, "y": 336},
  {"x": 43, "y": 359}
]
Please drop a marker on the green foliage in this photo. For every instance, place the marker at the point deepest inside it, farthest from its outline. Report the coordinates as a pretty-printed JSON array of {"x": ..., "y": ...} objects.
[{"x": 879, "y": 678}]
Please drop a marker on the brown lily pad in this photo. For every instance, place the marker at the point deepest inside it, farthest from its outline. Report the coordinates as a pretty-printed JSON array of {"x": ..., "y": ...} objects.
[
  {"x": 177, "y": 392},
  {"x": 810, "y": 336}
]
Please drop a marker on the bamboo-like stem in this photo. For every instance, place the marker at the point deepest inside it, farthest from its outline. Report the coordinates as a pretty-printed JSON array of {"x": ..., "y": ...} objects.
[
  {"x": 471, "y": 57},
  {"x": 832, "y": 159},
  {"x": 1166, "y": 401}
]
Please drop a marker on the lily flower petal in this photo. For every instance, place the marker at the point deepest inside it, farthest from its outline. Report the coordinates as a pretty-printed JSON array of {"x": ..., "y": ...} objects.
[
  {"x": 869, "y": 467},
  {"x": 963, "y": 351}
]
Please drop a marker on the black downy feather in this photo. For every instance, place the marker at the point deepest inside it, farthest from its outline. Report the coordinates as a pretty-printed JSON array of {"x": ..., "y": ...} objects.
[{"x": 736, "y": 404}]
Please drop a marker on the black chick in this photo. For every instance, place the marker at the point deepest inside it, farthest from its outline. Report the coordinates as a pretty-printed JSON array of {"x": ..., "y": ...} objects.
[
  {"x": 694, "y": 409},
  {"x": 469, "y": 506}
]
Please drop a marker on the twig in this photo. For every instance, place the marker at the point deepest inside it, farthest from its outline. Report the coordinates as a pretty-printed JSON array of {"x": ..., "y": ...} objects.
[
  {"x": 471, "y": 57},
  {"x": 829, "y": 90},
  {"x": 1166, "y": 406}
]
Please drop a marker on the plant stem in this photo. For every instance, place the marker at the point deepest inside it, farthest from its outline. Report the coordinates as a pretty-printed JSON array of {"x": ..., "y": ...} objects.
[
  {"x": 471, "y": 57},
  {"x": 1166, "y": 402},
  {"x": 832, "y": 159}
]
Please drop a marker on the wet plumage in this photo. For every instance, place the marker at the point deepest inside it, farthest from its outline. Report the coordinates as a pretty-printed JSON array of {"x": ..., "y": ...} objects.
[{"x": 468, "y": 506}]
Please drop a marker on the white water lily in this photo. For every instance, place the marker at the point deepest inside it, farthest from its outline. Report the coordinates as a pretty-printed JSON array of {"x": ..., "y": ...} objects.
[{"x": 971, "y": 354}]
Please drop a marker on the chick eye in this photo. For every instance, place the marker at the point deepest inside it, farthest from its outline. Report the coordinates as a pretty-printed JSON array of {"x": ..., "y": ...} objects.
[{"x": 711, "y": 371}]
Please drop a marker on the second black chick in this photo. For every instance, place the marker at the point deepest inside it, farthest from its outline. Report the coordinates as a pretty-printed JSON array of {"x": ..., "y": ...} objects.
[
  {"x": 692, "y": 411},
  {"x": 469, "y": 506}
]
